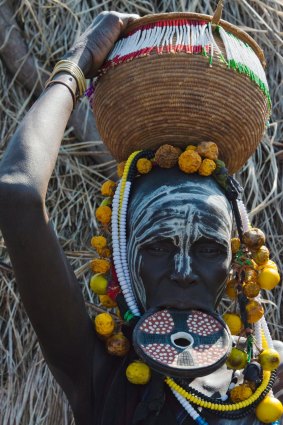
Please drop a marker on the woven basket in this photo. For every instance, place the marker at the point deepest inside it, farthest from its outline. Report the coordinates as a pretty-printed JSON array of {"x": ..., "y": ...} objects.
[{"x": 189, "y": 90}]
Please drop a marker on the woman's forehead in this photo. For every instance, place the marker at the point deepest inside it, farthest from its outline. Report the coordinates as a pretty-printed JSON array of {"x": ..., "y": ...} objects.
[{"x": 191, "y": 208}]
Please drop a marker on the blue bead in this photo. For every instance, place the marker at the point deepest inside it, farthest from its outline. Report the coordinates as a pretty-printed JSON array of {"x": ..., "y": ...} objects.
[{"x": 201, "y": 421}]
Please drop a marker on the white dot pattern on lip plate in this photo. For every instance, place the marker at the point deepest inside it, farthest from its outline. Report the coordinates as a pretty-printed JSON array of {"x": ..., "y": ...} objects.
[
  {"x": 159, "y": 323},
  {"x": 202, "y": 324},
  {"x": 162, "y": 353},
  {"x": 204, "y": 355},
  {"x": 200, "y": 355}
]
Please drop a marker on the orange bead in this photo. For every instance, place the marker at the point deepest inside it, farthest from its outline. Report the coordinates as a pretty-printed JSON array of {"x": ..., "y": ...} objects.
[
  {"x": 103, "y": 214},
  {"x": 255, "y": 311},
  {"x": 235, "y": 245},
  {"x": 261, "y": 256},
  {"x": 251, "y": 289},
  {"x": 231, "y": 288},
  {"x": 118, "y": 345},
  {"x": 254, "y": 238}
]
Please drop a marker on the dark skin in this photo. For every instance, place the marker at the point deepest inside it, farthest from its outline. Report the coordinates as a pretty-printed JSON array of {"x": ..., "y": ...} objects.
[
  {"x": 173, "y": 257},
  {"x": 46, "y": 282}
]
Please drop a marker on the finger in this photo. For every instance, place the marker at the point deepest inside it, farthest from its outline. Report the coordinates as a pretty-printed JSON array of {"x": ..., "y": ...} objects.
[
  {"x": 128, "y": 19},
  {"x": 133, "y": 16}
]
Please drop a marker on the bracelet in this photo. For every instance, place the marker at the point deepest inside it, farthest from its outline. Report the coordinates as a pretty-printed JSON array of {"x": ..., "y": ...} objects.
[
  {"x": 67, "y": 81},
  {"x": 73, "y": 69}
]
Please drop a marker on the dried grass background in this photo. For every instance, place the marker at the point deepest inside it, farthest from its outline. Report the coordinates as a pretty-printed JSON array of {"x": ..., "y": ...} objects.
[{"x": 38, "y": 32}]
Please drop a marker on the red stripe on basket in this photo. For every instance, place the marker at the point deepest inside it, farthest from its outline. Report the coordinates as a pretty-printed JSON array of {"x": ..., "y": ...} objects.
[{"x": 159, "y": 50}]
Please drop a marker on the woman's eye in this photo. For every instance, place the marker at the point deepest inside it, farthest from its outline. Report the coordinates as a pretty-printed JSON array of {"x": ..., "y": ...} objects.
[
  {"x": 159, "y": 248},
  {"x": 210, "y": 250}
]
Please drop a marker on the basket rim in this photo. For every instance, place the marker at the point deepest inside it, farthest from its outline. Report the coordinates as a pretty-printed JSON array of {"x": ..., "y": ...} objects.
[{"x": 241, "y": 34}]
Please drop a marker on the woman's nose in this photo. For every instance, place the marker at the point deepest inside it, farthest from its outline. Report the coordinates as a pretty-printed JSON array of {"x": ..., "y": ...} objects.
[{"x": 183, "y": 274}]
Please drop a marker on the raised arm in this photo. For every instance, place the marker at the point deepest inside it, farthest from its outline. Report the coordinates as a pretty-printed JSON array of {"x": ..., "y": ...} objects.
[{"x": 47, "y": 284}]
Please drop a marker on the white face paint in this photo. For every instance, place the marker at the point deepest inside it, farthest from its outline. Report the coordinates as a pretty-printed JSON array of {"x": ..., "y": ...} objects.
[{"x": 183, "y": 214}]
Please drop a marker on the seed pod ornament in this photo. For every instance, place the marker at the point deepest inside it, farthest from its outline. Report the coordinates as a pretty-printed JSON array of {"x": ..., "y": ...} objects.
[
  {"x": 268, "y": 278},
  {"x": 269, "y": 359},
  {"x": 104, "y": 324},
  {"x": 254, "y": 238},
  {"x": 240, "y": 393},
  {"x": 251, "y": 289},
  {"x": 261, "y": 256},
  {"x": 118, "y": 345},
  {"x": 254, "y": 311},
  {"x": 269, "y": 410},
  {"x": 138, "y": 373},
  {"x": 234, "y": 323},
  {"x": 237, "y": 359}
]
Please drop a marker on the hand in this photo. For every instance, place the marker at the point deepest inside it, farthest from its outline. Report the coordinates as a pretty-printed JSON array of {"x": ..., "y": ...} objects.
[{"x": 93, "y": 46}]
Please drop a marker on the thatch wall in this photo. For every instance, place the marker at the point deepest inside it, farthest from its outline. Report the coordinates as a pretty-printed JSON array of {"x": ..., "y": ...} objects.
[{"x": 34, "y": 34}]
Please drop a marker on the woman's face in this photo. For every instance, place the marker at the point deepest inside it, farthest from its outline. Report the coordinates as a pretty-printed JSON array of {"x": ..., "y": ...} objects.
[{"x": 179, "y": 241}]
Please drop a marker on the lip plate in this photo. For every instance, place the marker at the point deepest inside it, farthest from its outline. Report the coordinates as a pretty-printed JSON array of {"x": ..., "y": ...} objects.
[{"x": 187, "y": 372}]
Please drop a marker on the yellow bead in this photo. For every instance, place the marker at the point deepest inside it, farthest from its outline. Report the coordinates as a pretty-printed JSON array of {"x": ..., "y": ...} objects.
[
  {"x": 189, "y": 161},
  {"x": 269, "y": 359},
  {"x": 268, "y": 278},
  {"x": 103, "y": 214},
  {"x": 138, "y": 373},
  {"x": 108, "y": 188},
  {"x": 104, "y": 324},
  {"x": 270, "y": 409},
  {"x": 144, "y": 166},
  {"x": 235, "y": 245},
  {"x": 237, "y": 359},
  {"x": 98, "y": 284},
  {"x": 240, "y": 393},
  {"x": 99, "y": 265},
  {"x": 269, "y": 264},
  {"x": 98, "y": 242},
  {"x": 234, "y": 323},
  {"x": 207, "y": 167},
  {"x": 254, "y": 311}
]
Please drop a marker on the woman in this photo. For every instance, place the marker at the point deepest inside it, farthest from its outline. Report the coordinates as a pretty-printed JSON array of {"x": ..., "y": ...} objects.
[{"x": 93, "y": 381}]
